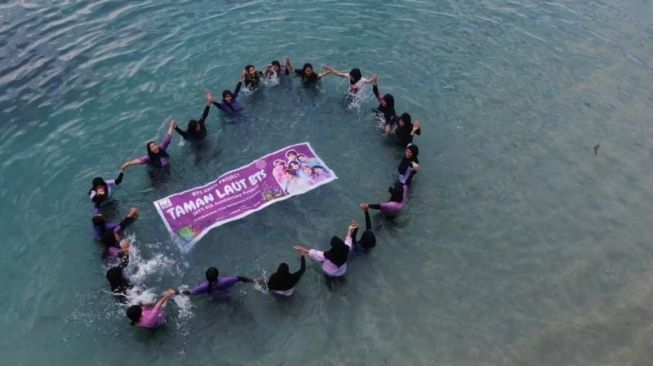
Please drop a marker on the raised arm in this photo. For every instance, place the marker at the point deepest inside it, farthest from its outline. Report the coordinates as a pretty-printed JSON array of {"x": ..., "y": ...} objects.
[
  {"x": 302, "y": 268},
  {"x": 166, "y": 140},
  {"x": 375, "y": 87},
  {"x": 181, "y": 132},
  {"x": 323, "y": 74},
  {"x": 289, "y": 65},
  {"x": 417, "y": 128},
  {"x": 336, "y": 72},
  {"x": 370, "y": 80},
  {"x": 240, "y": 83},
  {"x": 205, "y": 113},
  {"x": 137, "y": 161},
  {"x": 368, "y": 221},
  {"x": 118, "y": 179},
  {"x": 164, "y": 300}
]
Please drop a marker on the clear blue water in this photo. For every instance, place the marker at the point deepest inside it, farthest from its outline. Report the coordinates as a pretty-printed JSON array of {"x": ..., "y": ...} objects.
[{"x": 520, "y": 247}]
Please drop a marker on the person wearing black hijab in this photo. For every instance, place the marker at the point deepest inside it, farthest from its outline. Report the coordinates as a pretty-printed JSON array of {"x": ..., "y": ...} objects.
[
  {"x": 196, "y": 128},
  {"x": 406, "y": 130},
  {"x": 307, "y": 73},
  {"x": 282, "y": 282},
  {"x": 368, "y": 239},
  {"x": 157, "y": 155},
  {"x": 101, "y": 190},
  {"x": 386, "y": 106},
  {"x": 409, "y": 165},
  {"x": 118, "y": 282},
  {"x": 334, "y": 260}
]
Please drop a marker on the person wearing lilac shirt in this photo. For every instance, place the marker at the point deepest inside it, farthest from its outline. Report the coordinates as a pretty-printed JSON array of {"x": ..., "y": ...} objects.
[
  {"x": 334, "y": 260},
  {"x": 229, "y": 104},
  {"x": 100, "y": 224},
  {"x": 157, "y": 155},
  {"x": 409, "y": 165},
  {"x": 215, "y": 285},
  {"x": 101, "y": 190},
  {"x": 368, "y": 239},
  {"x": 150, "y": 316},
  {"x": 398, "y": 199}
]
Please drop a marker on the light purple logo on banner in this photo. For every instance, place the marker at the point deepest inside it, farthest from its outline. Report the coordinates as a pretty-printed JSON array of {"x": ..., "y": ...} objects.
[{"x": 291, "y": 171}]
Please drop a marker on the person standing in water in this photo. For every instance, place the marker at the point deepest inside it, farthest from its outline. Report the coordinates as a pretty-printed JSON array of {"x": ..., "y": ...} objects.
[
  {"x": 406, "y": 130},
  {"x": 118, "y": 282},
  {"x": 157, "y": 158},
  {"x": 368, "y": 239},
  {"x": 215, "y": 285},
  {"x": 252, "y": 77},
  {"x": 101, "y": 190},
  {"x": 196, "y": 129},
  {"x": 307, "y": 73},
  {"x": 356, "y": 80},
  {"x": 409, "y": 165},
  {"x": 282, "y": 282},
  {"x": 150, "y": 316},
  {"x": 275, "y": 69},
  {"x": 230, "y": 104},
  {"x": 386, "y": 107},
  {"x": 334, "y": 260},
  {"x": 398, "y": 199},
  {"x": 100, "y": 224}
]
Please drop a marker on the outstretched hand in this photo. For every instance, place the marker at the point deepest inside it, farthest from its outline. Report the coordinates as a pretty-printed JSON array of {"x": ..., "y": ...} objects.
[
  {"x": 364, "y": 206},
  {"x": 301, "y": 250},
  {"x": 209, "y": 97}
]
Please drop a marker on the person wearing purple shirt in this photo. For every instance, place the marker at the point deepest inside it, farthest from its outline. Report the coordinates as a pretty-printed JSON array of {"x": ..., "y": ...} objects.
[
  {"x": 398, "y": 199},
  {"x": 157, "y": 155},
  {"x": 215, "y": 285},
  {"x": 334, "y": 260},
  {"x": 100, "y": 224},
  {"x": 229, "y": 104},
  {"x": 101, "y": 190},
  {"x": 150, "y": 316}
]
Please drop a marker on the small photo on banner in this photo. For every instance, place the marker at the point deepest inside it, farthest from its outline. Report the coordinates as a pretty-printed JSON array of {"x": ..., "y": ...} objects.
[{"x": 290, "y": 171}]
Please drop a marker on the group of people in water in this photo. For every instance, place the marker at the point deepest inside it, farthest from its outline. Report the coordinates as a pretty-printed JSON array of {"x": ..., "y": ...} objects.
[{"x": 282, "y": 282}]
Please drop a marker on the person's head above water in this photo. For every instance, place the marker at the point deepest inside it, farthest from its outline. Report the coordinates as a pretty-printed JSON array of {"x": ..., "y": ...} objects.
[
  {"x": 405, "y": 120},
  {"x": 99, "y": 221},
  {"x": 212, "y": 274},
  {"x": 134, "y": 313},
  {"x": 283, "y": 269},
  {"x": 411, "y": 152},
  {"x": 251, "y": 70},
  {"x": 355, "y": 75},
  {"x": 388, "y": 101},
  {"x": 117, "y": 279},
  {"x": 396, "y": 192},
  {"x": 338, "y": 253},
  {"x": 155, "y": 153},
  {"x": 193, "y": 125},
  {"x": 227, "y": 96},
  {"x": 307, "y": 70},
  {"x": 368, "y": 240},
  {"x": 276, "y": 66},
  {"x": 99, "y": 189}
]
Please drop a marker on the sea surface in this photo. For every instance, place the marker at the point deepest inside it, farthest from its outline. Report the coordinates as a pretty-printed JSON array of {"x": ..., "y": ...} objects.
[{"x": 520, "y": 246}]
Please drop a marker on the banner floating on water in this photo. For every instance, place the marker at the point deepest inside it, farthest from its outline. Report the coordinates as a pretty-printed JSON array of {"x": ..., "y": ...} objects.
[{"x": 288, "y": 172}]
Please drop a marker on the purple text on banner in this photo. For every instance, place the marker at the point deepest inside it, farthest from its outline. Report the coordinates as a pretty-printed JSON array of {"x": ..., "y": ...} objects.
[{"x": 288, "y": 172}]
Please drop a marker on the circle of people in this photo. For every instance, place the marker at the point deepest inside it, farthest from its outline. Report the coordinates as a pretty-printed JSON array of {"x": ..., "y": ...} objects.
[{"x": 283, "y": 282}]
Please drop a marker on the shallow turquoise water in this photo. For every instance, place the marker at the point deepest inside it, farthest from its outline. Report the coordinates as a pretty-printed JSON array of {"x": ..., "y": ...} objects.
[{"x": 520, "y": 247}]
